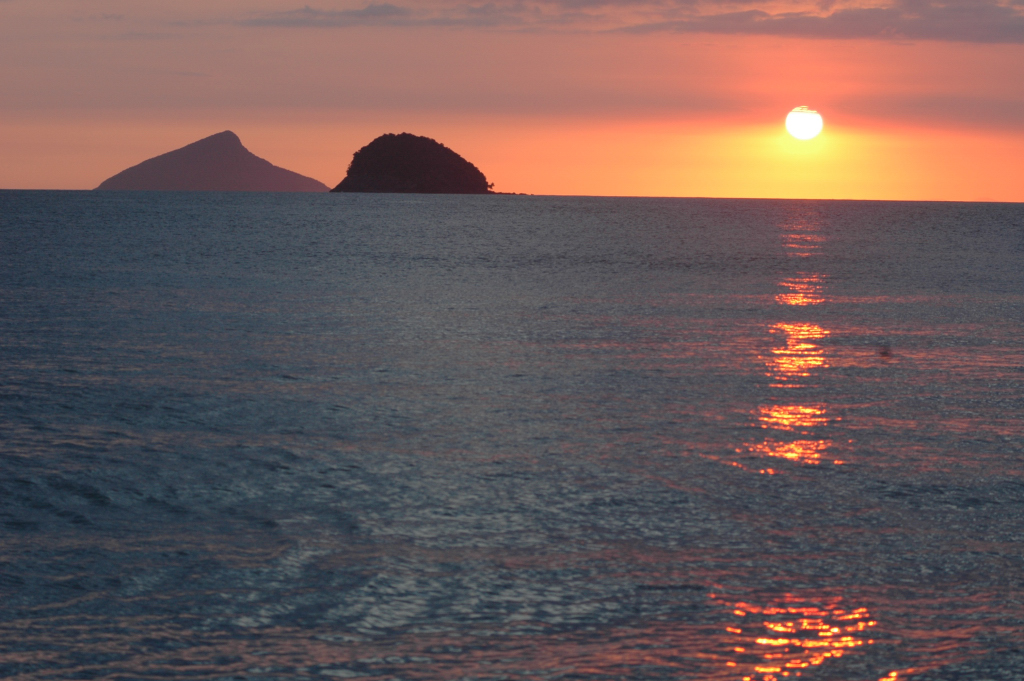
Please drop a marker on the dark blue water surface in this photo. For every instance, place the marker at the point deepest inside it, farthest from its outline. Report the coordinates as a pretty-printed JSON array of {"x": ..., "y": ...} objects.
[{"x": 263, "y": 436}]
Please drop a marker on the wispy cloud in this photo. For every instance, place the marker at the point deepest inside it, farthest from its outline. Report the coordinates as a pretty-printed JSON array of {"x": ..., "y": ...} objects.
[
  {"x": 371, "y": 15},
  {"x": 516, "y": 15},
  {"x": 979, "y": 21},
  {"x": 978, "y": 111}
]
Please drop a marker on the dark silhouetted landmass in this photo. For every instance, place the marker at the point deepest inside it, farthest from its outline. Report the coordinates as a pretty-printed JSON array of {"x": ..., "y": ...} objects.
[
  {"x": 410, "y": 164},
  {"x": 218, "y": 163}
]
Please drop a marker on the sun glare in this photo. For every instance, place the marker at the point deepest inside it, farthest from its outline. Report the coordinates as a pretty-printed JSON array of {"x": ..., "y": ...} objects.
[{"x": 803, "y": 123}]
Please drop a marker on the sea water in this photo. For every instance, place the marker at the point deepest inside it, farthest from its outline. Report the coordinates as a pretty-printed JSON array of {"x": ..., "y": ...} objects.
[{"x": 269, "y": 436}]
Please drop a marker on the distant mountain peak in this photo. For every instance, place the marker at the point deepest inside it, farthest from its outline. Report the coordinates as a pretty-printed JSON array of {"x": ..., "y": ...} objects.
[
  {"x": 216, "y": 163},
  {"x": 227, "y": 134},
  {"x": 225, "y": 139}
]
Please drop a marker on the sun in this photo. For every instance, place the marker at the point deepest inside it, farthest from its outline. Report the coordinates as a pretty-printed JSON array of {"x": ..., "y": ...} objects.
[{"x": 803, "y": 123}]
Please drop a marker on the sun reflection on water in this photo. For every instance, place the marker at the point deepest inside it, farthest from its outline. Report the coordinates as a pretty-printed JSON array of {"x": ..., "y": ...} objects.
[
  {"x": 799, "y": 357},
  {"x": 792, "y": 365},
  {"x": 783, "y": 639},
  {"x": 803, "y": 289},
  {"x": 802, "y": 240},
  {"x": 791, "y": 417},
  {"x": 801, "y": 451}
]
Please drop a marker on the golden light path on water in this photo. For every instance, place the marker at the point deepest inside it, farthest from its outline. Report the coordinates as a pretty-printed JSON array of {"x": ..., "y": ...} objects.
[
  {"x": 791, "y": 364},
  {"x": 785, "y": 638},
  {"x": 799, "y": 357},
  {"x": 804, "y": 289}
]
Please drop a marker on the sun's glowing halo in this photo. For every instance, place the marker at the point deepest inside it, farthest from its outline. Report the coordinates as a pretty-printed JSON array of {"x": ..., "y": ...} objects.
[{"x": 803, "y": 123}]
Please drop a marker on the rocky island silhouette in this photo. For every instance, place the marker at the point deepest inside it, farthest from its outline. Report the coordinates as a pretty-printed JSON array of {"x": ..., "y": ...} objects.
[
  {"x": 215, "y": 163},
  {"x": 410, "y": 164}
]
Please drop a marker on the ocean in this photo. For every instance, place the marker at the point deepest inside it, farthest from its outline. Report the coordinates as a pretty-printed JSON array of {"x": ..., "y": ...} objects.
[{"x": 306, "y": 436}]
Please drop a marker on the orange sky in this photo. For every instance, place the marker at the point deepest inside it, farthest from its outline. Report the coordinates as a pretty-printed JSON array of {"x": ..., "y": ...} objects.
[{"x": 605, "y": 97}]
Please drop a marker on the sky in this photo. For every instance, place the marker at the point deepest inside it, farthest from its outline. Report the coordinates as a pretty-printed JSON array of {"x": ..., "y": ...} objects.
[{"x": 922, "y": 100}]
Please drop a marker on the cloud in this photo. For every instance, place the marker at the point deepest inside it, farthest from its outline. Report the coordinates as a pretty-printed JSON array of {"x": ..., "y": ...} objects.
[
  {"x": 977, "y": 111},
  {"x": 386, "y": 14},
  {"x": 307, "y": 16},
  {"x": 515, "y": 14},
  {"x": 977, "y": 21}
]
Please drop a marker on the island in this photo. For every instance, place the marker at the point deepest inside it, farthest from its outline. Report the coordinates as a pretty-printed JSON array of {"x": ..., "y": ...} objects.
[
  {"x": 410, "y": 164},
  {"x": 215, "y": 163}
]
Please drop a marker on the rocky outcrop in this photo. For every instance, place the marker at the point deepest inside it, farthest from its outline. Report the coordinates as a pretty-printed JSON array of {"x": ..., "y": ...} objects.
[
  {"x": 410, "y": 164},
  {"x": 216, "y": 163}
]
